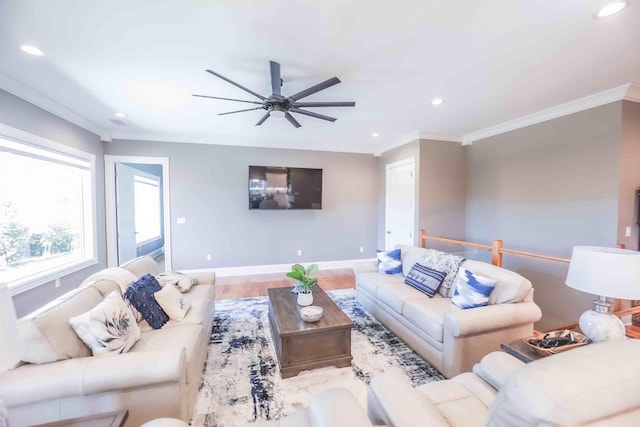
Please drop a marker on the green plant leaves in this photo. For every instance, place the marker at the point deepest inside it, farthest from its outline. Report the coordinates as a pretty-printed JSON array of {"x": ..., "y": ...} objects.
[{"x": 299, "y": 273}]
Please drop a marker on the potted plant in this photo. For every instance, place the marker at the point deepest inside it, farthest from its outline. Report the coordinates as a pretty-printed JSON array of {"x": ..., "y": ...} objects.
[{"x": 304, "y": 282}]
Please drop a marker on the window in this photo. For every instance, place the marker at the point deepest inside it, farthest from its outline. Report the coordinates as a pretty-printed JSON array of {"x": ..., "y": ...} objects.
[
  {"x": 47, "y": 218},
  {"x": 146, "y": 190}
]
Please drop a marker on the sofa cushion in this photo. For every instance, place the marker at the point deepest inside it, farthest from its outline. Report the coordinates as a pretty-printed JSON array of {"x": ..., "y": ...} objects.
[
  {"x": 510, "y": 286},
  {"x": 105, "y": 279},
  {"x": 472, "y": 290},
  {"x": 185, "y": 336},
  {"x": 424, "y": 279},
  {"x": 409, "y": 256},
  {"x": 140, "y": 295},
  {"x": 447, "y": 263},
  {"x": 427, "y": 314},
  {"x": 47, "y": 335},
  {"x": 109, "y": 327},
  {"x": 389, "y": 262},
  {"x": 370, "y": 280},
  {"x": 172, "y": 302},
  {"x": 142, "y": 265},
  {"x": 394, "y": 294}
]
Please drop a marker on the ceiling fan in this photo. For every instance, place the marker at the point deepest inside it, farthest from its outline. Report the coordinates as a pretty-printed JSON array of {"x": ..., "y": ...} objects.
[{"x": 277, "y": 105}]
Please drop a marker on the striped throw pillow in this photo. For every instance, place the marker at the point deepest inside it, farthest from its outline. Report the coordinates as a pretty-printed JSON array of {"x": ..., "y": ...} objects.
[{"x": 424, "y": 279}]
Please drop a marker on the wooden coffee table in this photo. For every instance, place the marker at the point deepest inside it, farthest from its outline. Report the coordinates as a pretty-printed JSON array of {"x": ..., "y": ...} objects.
[
  {"x": 301, "y": 345},
  {"x": 111, "y": 419}
]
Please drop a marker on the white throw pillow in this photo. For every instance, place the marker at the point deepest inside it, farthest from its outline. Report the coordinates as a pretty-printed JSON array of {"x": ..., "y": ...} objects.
[
  {"x": 107, "y": 328},
  {"x": 172, "y": 302}
]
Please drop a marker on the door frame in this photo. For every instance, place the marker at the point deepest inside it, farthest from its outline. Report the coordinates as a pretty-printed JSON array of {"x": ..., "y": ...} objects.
[
  {"x": 110, "y": 204},
  {"x": 411, "y": 161}
]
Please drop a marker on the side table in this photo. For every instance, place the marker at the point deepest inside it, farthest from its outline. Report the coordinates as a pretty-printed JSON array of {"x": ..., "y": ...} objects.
[{"x": 520, "y": 350}]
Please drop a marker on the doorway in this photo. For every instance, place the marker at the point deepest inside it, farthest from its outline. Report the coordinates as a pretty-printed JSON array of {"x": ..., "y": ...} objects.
[
  {"x": 400, "y": 204},
  {"x": 137, "y": 207}
]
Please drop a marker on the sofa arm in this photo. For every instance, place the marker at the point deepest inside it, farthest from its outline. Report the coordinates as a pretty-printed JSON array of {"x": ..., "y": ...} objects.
[
  {"x": 392, "y": 401},
  {"x": 369, "y": 266},
  {"x": 489, "y": 318},
  {"x": 131, "y": 370},
  {"x": 336, "y": 408},
  {"x": 495, "y": 368},
  {"x": 204, "y": 277}
]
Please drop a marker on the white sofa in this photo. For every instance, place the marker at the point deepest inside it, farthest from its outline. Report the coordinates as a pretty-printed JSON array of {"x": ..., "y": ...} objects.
[
  {"x": 159, "y": 377},
  {"x": 450, "y": 338}
]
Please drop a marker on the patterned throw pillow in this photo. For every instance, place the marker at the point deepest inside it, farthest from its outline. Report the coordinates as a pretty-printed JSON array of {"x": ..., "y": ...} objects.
[
  {"x": 472, "y": 290},
  {"x": 448, "y": 264},
  {"x": 107, "y": 328},
  {"x": 389, "y": 262},
  {"x": 172, "y": 302},
  {"x": 140, "y": 295},
  {"x": 424, "y": 279}
]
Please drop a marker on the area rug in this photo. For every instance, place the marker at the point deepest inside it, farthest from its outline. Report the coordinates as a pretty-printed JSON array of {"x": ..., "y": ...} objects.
[{"x": 242, "y": 382}]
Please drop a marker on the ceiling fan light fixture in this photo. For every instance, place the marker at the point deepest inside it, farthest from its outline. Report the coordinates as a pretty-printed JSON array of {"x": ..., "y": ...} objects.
[
  {"x": 611, "y": 9},
  {"x": 31, "y": 50},
  {"x": 277, "y": 111}
]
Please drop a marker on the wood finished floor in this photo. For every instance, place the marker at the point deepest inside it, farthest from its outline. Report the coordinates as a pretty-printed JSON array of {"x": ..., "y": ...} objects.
[{"x": 256, "y": 285}]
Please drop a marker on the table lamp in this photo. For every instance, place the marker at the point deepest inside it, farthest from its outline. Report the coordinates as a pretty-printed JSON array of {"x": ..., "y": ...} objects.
[
  {"x": 606, "y": 272},
  {"x": 9, "y": 339}
]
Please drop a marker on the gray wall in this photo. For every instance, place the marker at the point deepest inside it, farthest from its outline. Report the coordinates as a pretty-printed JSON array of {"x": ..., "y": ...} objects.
[
  {"x": 209, "y": 188},
  {"x": 544, "y": 189},
  {"x": 22, "y": 115},
  {"x": 629, "y": 174}
]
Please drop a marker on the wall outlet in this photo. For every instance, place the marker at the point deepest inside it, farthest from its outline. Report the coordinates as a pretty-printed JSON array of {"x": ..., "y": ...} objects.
[
  {"x": 361, "y": 249},
  {"x": 181, "y": 220},
  {"x": 627, "y": 232},
  {"x": 208, "y": 257},
  {"x": 57, "y": 282},
  {"x": 299, "y": 252}
]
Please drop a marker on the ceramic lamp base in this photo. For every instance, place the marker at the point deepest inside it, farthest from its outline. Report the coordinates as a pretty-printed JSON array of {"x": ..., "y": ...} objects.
[{"x": 601, "y": 326}]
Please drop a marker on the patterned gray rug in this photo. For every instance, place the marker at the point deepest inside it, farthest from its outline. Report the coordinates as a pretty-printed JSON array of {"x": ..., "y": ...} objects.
[{"x": 241, "y": 380}]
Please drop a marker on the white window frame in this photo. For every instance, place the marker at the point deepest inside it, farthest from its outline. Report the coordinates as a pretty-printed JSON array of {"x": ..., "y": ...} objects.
[{"x": 90, "y": 233}]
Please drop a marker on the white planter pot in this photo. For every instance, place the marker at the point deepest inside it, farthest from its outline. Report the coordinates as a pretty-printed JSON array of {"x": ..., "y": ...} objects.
[{"x": 305, "y": 299}]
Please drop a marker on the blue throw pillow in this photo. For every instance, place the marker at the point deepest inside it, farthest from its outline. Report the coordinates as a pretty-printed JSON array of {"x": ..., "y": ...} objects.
[
  {"x": 472, "y": 290},
  {"x": 389, "y": 262},
  {"x": 424, "y": 279},
  {"x": 140, "y": 295}
]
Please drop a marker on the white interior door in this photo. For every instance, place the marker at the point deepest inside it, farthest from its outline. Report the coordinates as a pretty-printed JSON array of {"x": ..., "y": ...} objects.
[
  {"x": 125, "y": 212},
  {"x": 400, "y": 203}
]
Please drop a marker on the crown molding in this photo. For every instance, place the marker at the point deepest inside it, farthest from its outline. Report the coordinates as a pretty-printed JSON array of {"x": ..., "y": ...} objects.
[
  {"x": 416, "y": 136},
  {"x": 38, "y": 99},
  {"x": 629, "y": 92}
]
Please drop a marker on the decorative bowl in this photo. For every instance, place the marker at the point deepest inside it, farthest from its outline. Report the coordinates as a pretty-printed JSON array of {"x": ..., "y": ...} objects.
[
  {"x": 311, "y": 313},
  {"x": 537, "y": 342}
]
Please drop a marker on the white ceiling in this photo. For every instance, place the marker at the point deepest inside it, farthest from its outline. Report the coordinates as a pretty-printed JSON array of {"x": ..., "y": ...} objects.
[{"x": 492, "y": 62}]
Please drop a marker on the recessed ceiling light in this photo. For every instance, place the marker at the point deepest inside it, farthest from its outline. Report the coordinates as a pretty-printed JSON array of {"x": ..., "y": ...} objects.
[
  {"x": 120, "y": 115},
  {"x": 375, "y": 134},
  {"x": 611, "y": 9},
  {"x": 31, "y": 50},
  {"x": 437, "y": 101}
]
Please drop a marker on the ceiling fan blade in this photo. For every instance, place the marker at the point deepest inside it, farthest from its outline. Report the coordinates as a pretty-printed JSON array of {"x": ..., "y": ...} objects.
[
  {"x": 325, "y": 104},
  {"x": 312, "y": 114},
  {"x": 240, "y": 111},
  {"x": 236, "y": 84},
  {"x": 313, "y": 89},
  {"x": 293, "y": 121},
  {"x": 228, "y": 99},
  {"x": 276, "y": 80},
  {"x": 263, "y": 119}
]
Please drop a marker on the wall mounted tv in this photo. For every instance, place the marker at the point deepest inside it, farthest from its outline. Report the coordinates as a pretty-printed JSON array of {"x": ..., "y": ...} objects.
[{"x": 281, "y": 188}]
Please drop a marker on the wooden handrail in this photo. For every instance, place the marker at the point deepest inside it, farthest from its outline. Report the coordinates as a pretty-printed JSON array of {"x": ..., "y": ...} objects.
[{"x": 532, "y": 255}]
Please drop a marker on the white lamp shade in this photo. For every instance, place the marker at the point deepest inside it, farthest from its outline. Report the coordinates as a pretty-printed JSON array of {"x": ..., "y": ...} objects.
[
  {"x": 9, "y": 338},
  {"x": 608, "y": 272}
]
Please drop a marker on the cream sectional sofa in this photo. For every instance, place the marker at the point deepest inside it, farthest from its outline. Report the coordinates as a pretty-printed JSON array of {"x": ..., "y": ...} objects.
[
  {"x": 450, "y": 338},
  {"x": 159, "y": 377}
]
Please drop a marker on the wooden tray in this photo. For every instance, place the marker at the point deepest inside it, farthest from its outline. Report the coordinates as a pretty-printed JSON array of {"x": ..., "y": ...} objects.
[{"x": 579, "y": 339}]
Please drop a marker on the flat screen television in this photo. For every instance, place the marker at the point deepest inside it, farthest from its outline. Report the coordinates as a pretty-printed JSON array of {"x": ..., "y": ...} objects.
[{"x": 273, "y": 187}]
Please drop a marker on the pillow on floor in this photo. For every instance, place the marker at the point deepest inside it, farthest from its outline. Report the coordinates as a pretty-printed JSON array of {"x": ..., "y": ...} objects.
[
  {"x": 472, "y": 290},
  {"x": 424, "y": 279},
  {"x": 172, "y": 302},
  {"x": 448, "y": 264},
  {"x": 389, "y": 262},
  {"x": 140, "y": 295},
  {"x": 107, "y": 328}
]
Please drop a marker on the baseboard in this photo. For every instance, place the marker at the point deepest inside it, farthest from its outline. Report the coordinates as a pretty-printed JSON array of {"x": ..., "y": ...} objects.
[{"x": 278, "y": 268}]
